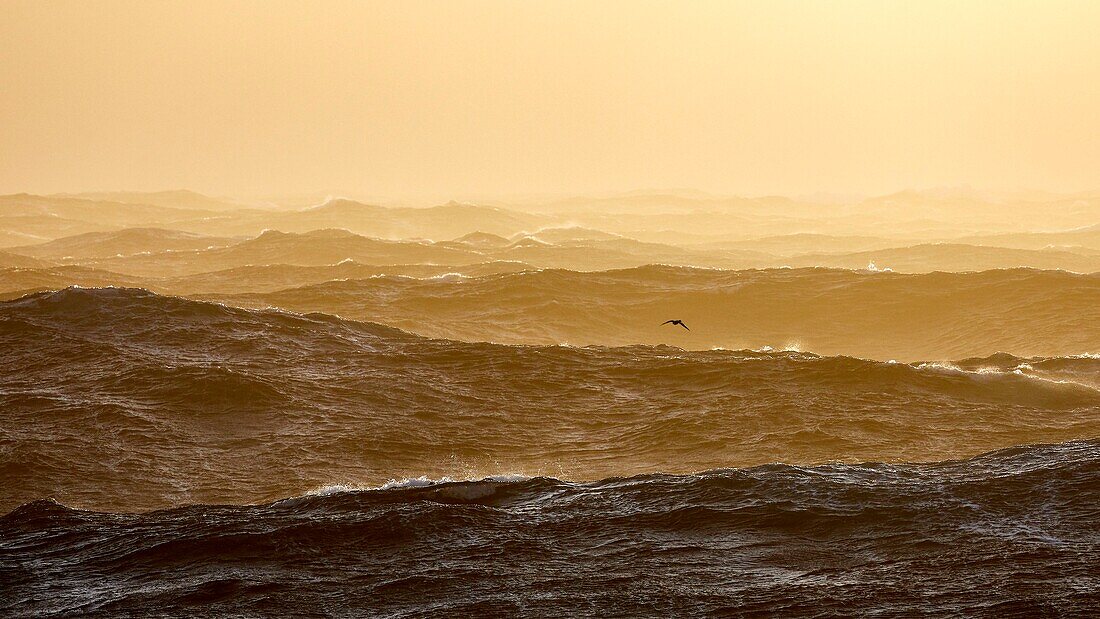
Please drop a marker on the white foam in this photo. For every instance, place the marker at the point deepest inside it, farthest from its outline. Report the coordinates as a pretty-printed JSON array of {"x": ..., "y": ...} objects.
[
  {"x": 416, "y": 482},
  {"x": 1018, "y": 371},
  {"x": 448, "y": 277},
  {"x": 508, "y": 478},
  {"x": 941, "y": 366},
  {"x": 474, "y": 484},
  {"x": 335, "y": 489},
  {"x": 792, "y": 346}
]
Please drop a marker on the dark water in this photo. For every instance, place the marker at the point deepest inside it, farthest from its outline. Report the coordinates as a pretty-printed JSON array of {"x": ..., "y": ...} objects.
[
  {"x": 1013, "y": 533},
  {"x": 589, "y": 500}
]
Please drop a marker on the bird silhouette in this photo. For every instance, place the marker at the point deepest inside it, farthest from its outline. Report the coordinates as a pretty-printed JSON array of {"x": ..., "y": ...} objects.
[{"x": 675, "y": 322}]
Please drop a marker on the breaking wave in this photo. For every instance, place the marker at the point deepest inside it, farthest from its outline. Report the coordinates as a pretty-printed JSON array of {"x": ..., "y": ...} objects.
[{"x": 1010, "y": 533}]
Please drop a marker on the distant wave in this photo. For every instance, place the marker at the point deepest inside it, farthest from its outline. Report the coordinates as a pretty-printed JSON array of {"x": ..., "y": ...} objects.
[{"x": 881, "y": 315}]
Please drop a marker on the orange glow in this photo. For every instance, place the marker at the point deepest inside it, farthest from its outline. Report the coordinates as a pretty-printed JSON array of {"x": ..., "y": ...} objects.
[{"x": 432, "y": 101}]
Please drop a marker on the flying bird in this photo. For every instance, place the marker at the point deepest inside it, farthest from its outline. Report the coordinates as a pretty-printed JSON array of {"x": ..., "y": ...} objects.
[{"x": 675, "y": 322}]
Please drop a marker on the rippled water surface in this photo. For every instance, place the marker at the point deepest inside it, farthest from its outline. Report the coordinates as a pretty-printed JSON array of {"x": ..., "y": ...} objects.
[{"x": 434, "y": 477}]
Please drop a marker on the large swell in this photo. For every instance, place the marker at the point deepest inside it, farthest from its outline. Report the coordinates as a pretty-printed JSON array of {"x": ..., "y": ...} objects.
[
  {"x": 124, "y": 400},
  {"x": 1008, "y": 534},
  {"x": 829, "y": 311},
  {"x": 638, "y": 480}
]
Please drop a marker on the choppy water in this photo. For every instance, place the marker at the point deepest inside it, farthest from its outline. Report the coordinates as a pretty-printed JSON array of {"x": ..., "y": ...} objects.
[
  {"x": 876, "y": 315},
  {"x": 125, "y": 401},
  {"x": 1009, "y": 534}
]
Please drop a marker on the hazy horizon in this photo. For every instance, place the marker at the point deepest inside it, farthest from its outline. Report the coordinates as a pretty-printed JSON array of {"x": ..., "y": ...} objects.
[
  {"x": 521, "y": 199},
  {"x": 549, "y": 308},
  {"x": 420, "y": 101}
]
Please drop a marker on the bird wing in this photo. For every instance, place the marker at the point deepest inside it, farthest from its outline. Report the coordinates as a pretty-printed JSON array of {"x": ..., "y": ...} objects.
[
  {"x": 668, "y": 321},
  {"x": 684, "y": 326}
]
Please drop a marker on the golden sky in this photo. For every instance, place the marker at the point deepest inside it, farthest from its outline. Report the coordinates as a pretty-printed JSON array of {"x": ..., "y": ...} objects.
[{"x": 459, "y": 99}]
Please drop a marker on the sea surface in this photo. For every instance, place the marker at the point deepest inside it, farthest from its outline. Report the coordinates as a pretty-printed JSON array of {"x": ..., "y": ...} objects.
[{"x": 167, "y": 456}]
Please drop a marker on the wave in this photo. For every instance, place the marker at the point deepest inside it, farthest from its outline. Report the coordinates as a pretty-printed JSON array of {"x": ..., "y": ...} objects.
[
  {"x": 981, "y": 479},
  {"x": 1010, "y": 533},
  {"x": 878, "y": 315},
  {"x": 122, "y": 399}
]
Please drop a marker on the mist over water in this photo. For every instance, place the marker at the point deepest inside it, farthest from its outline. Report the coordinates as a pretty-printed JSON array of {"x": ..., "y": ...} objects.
[
  {"x": 206, "y": 418},
  {"x": 549, "y": 309},
  {"x": 935, "y": 316}
]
